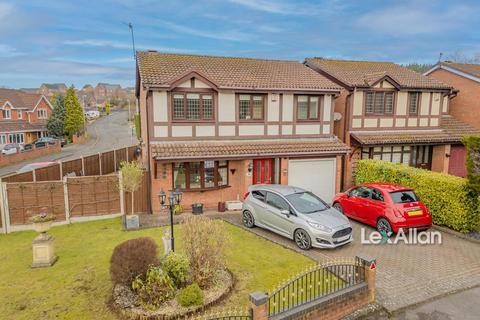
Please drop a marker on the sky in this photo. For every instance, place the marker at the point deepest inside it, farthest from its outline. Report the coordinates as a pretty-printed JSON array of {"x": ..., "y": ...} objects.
[{"x": 79, "y": 42}]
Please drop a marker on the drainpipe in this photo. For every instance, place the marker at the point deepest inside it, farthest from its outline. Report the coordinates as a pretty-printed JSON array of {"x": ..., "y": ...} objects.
[
  {"x": 345, "y": 127},
  {"x": 149, "y": 190}
]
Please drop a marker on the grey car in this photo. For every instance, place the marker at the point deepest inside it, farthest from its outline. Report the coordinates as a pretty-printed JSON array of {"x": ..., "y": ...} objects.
[{"x": 296, "y": 214}]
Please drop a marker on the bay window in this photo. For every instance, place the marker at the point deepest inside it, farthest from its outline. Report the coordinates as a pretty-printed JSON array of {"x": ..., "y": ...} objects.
[
  {"x": 307, "y": 108},
  {"x": 415, "y": 156},
  {"x": 192, "y": 106},
  {"x": 251, "y": 107},
  {"x": 379, "y": 102},
  {"x": 200, "y": 175}
]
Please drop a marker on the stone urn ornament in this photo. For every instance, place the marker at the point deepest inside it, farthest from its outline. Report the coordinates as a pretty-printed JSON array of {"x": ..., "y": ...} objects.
[{"x": 42, "y": 245}]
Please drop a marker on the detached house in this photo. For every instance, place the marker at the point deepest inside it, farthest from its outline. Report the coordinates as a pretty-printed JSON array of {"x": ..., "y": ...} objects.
[
  {"x": 212, "y": 126},
  {"x": 392, "y": 113},
  {"x": 23, "y": 116}
]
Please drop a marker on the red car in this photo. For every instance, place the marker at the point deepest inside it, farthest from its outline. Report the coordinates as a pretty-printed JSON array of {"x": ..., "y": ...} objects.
[{"x": 388, "y": 207}]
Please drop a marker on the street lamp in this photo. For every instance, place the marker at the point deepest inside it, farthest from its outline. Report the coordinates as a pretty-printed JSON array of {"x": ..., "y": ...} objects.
[{"x": 174, "y": 198}]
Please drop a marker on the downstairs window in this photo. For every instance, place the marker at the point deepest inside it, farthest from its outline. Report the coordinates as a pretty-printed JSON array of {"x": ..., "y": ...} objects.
[{"x": 200, "y": 175}]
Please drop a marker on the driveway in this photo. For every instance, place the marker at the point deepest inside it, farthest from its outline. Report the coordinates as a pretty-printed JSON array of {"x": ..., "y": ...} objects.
[
  {"x": 406, "y": 274},
  {"x": 107, "y": 133}
]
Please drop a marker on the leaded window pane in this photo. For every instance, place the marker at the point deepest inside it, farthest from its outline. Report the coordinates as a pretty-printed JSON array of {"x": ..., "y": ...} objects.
[
  {"x": 302, "y": 106},
  {"x": 209, "y": 170},
  {"x": 178, "y": 107},
  {"x": 179, "y": 180},
  {"x": 413, "y": 103},
  {"x": 388, "y": 102},
  {"x": 195, "y": 175},
  {"x": 378, "y": 102},
  {"x": 313, "y": 107},
  {"x": 193, "y": 106},
  {"x": 257, "y": 109},
  {"x": 244, "y": 107},
  {"x": 207, "y": 107},
  {"x": 369, "y": 103}
]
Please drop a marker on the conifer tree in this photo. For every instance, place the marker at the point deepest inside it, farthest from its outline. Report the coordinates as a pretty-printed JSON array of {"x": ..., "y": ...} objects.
[
  {"x": 56, "y": 122},
  {"x": 74, "y": 117}
]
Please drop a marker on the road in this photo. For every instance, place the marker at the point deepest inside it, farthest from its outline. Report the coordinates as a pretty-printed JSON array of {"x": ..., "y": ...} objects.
[{"x": 107, "y": 133}]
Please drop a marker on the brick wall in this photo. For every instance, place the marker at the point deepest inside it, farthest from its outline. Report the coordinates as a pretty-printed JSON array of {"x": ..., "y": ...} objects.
[
  {"x": 467, "y": 101},
  {"x": 350, "y": 166},
  {"x": 6, "y": 160}
]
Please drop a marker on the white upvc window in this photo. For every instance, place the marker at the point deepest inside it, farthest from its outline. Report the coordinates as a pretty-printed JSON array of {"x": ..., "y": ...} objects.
[
  {"x": 7, "y": 114},
  {"x": 42, "y": 114},
  {"x": 3, "y": 139},
  {"x": 16, "y": 138},
  {"x": 20, "y": 114}
]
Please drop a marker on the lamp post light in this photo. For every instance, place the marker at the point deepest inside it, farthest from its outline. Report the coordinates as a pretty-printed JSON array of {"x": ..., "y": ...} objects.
[{"x": 174, "y": 198}]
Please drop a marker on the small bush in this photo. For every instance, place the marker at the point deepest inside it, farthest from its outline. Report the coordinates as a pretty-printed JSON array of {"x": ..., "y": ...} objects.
[
  {"x": 191, "y": 295},
  {"x": 447, "y": 197},
  {"x": 177, "y": 267},
  {"x": 155, "y": 289},
  {"x": 132, "y": 258},
  {"x": 204, "y": 242}
]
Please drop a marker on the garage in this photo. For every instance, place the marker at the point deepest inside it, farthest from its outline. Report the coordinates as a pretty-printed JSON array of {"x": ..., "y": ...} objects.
[{"x": 315, "y": 175}]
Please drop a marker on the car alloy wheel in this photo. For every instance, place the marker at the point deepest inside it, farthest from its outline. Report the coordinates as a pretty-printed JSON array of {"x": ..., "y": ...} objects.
[
  {"x": 384, "y": 226},
  {"x": 338, "y": 207},
  {"x": 302, "y": 239},
  {"x": 248, "y": 220}
]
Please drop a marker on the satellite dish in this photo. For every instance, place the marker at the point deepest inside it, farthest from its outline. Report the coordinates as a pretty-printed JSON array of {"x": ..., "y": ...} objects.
[{"x": 337, "y": 116}]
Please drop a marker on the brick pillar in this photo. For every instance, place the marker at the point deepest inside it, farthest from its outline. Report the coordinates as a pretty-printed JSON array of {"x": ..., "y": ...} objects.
[
  {"x": 258, "y": 305},
  {"x": 370, "y": 265}
]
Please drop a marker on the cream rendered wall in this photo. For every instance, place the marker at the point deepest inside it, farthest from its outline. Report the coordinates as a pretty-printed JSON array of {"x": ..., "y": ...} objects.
[
  {"x": 273, "y": 107},
  {"x": 402, "y": 98},
  {"x": 434, "y": 122},
  {"x": 307, "y": 129},
  {"x": 327, "y": 107},
  {"x": 185, "y": 84},
  {"x": 160, "y": 131},
  {"x": 326, "y": 129},
  {"x": 287, "y": 129},
  {"x": 425, "y": 104},
  {"x": 272, "y": 130},
  {"x": 200, "y": 84},
  {"x": 251, "y": 130},
  {"x": 182, "y": 131},
  {"x": 160, "y": 106},
  {"x": 356, "y": 123},
  {"x": 287, "y": 112},
  {"x": 226, "y": 106},
  {"x": 423, "y": 122},
  {"x": 358, "y": 103},
  {"x": 370, "y": 123},
  {"x": 387, "y": 84},
  {"x": 386, "y": 122},
  {"x": 226, "y": 131},
  {"x": 205, "y": 131},
  {"x": 436, "y": 103},
  {"x": 400, "y": 122}
]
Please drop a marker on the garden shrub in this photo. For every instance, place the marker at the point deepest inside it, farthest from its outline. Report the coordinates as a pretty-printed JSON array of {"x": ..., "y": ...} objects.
[
  {"x": 191, "y": 295},
  {"x": 204, "y": 243},
  {"x": 446, "y": 196},
  {"x": 154, "y": 289},
  {"x": 132, "y": 258},
  {"x": 177, "y": 267}
]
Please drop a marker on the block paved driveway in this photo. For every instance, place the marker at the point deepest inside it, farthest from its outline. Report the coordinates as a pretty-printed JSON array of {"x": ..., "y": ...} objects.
[{"x": 406, "y": 274}]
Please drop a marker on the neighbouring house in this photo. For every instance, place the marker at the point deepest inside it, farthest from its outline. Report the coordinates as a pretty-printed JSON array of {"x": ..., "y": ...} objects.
[
  {"x": 49, "y": 89},
  {"x": 465, "y": 78},
  {"x": 23, "y": 116},
  {"x": 103, "y": 90},
  {"x": 395, "y": 114},
  {"x": 212, "y": 126}
]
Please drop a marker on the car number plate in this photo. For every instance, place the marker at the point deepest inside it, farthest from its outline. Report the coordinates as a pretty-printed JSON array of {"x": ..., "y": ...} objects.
[{"x": 415, "y": 213}]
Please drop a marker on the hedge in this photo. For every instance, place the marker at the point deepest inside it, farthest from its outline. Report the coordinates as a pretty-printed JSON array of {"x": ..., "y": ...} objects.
[{"x": 447, "y": 197}]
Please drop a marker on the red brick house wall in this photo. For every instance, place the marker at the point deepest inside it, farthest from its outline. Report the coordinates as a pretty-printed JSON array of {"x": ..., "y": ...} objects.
[
  {"x": 467, "y": 101},
  {"x": 42, "y": 105}
]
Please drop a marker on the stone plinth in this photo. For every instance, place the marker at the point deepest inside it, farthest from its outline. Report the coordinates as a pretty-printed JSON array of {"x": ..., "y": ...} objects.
[{"x": 43, "y": 251}]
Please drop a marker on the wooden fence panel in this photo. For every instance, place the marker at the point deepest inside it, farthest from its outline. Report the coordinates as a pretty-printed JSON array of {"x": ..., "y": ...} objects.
[
  {"x": 92, "y": 165},
  {"x": 50, "y": 173},
  {"x": 120, "y": 156},
  {"x": 27, "y": 199},
  {"x": 131, "y": 153},
  {"x": 93, "y": 196},
  {"x": 108, "y": 162},
  {"x": 21, "y": 177},
  {"x": 72, "y": 166},
  {"x": 140, "y": 198}
]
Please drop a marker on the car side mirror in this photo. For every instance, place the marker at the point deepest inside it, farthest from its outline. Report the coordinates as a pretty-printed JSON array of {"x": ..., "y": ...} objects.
[
  {"x": 347, "y": 194},
  {"x": 285, "y": 212}
]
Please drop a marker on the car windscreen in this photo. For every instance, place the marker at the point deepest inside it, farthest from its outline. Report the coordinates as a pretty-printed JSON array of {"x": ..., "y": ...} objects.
[
  {"x": 306, "y": 202},
  {"x": 404, "y": 196}
]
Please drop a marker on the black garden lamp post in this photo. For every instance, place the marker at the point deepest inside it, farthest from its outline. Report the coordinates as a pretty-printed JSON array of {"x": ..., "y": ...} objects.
[{"x": 174, "y": 198}]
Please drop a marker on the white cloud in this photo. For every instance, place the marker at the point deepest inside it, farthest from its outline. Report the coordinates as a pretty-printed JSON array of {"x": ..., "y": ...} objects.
[
  {"x": 120, "y": 45},
  {"x": 288, "y": 7},
  {"x": 8, "y": 51},
  {"x": 232, "y": 35}
]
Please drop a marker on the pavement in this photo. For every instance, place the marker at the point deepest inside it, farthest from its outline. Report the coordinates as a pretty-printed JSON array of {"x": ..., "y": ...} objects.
[
  {"x": 409, "y": 275},
  {"x": 106, "y": 133}
]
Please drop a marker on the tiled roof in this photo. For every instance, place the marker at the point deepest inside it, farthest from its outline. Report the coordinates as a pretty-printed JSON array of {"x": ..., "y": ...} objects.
[
  {"x": 19, "y": 99},
  {"x": 364, "y": 73},
  {"x": 21, "y": 126},
  {"x": 163, "y": 69},
  {"x": 451, "y": 131},
  {"x": 470, "y": 68},
  {"x": 247, "y": 148}
]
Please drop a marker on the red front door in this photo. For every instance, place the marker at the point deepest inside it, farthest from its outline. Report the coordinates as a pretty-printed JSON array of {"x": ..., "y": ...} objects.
[{"x": 262, "y": 171}]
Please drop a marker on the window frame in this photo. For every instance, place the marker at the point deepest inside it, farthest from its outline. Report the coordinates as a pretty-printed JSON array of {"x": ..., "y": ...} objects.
[
  {"x": 279, "y": 196},
  {"x": 375, "y": 92},
  {"x": 5, "y": 112},
  {"x": 319, "y": 107},
  {"x": 264, "y": 106},
  {"x": 418, "y": 93},
  {"x": 420, "y": 156},
  {"x": 42, "y": 114},
  {"x": 184, "y": 118},
  {"x": 187, "y": 188}
]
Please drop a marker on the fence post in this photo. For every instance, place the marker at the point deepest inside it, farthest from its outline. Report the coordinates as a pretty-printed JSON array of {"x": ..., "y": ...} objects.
[
  {"x": 126, "y": 154},
  {"x": 34, "y": 175},
  {"x": 6, "y": 211},
  {"x": 100, "y": 162},
  {"x": 83, "y": 166},
  {"x": 2, "y": 209},
  {"x": 258, "y": 305},
  {"x": 65, "y": 199},
  {"x": 122, "y": 193},
  {"x": 115, "y": 160},
  {"x": 370, "y": 265}
]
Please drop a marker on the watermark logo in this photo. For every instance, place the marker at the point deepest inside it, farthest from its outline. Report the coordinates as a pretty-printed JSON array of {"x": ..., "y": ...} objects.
[{"x": 411, "y": 237}]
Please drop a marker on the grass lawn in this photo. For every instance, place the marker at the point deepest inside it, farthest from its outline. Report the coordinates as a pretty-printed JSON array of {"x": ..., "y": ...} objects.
[{"x": 78, "y": 285}]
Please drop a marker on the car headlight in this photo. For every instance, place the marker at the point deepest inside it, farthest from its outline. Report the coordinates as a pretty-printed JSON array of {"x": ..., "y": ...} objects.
[{"x": 319, "y": 226}]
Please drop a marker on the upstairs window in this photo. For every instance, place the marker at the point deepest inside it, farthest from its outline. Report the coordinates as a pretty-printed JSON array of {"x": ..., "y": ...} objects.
[
  {"x": 192, "y": 106},
  {"x": 379, "y": 103},
  {"x": 42, "y": 114},
  {"x": 413, "y": 102},
  {"x": 251, "y": 107},
  {"x": 7, "y": 114},
  {"x": 307, "y": 108},
  {"x": 20, "y": 114}
]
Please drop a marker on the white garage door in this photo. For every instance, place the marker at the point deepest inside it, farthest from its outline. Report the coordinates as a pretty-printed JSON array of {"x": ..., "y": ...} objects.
[{"x": 315, "y": 175}]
